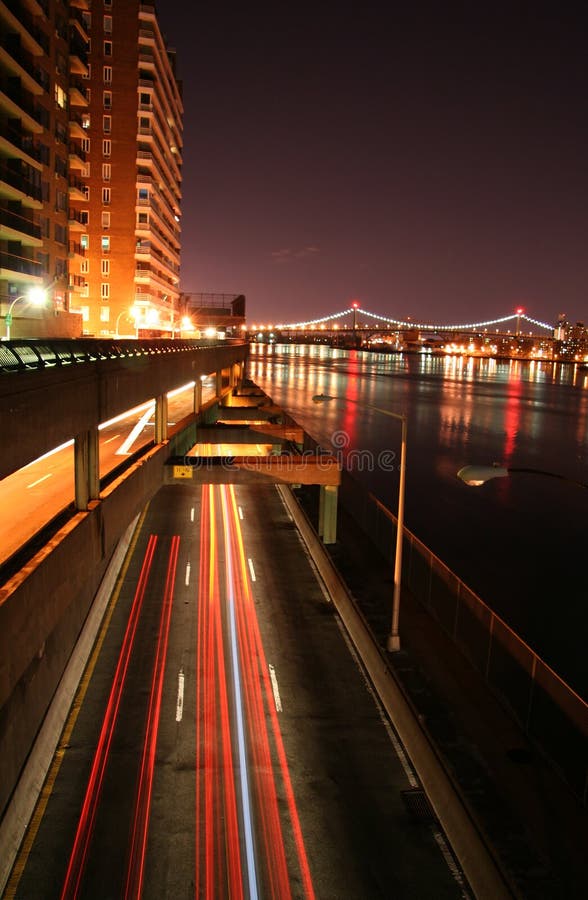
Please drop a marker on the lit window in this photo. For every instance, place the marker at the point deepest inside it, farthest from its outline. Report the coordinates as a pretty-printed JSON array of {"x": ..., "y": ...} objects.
[
  {"x": 105, "y": 290},
  {"x": 106, "y": 243},
  {"x": 85, "y": 313},
  {"x": 84, "y": 241},
  {"x": 105, "y": 313},
  {"x": 60, "y": 97},
  {"x": 85, "y": 120}
]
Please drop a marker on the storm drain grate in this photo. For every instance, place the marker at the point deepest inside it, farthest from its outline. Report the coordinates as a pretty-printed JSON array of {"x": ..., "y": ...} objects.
[{"x": 417, "y": 803}]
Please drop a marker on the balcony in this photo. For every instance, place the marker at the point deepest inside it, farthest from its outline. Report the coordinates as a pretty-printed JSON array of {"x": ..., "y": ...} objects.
[
  {"x": 20, "y": 64},
  {"x": 15, "y": 142},
  {"x": 16, "y": 186},
  {"x": 11, "y": 265},
  {"x": 76, "y": 189},
  {"x": 74, "y": 249},
  {"x": 16, "y": 227},
  {"x": 76, "y": 220},
  {"x": 77, "y": 93},
  {"x": 15, "y": 103},
  {"x": 77, "y": 157}
]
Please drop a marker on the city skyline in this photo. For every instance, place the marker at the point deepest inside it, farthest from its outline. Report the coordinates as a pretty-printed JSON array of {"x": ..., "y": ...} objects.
[{"x": 427, "y": 164}]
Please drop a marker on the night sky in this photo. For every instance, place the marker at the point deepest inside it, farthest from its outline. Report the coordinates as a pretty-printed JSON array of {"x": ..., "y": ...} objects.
[{"x": 429, "y": 161}]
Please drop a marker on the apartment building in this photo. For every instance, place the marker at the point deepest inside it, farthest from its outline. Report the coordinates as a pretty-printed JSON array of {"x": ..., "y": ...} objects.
[
  {"x": 90, "y": 169},
  {"x": 132, "y": 144}
]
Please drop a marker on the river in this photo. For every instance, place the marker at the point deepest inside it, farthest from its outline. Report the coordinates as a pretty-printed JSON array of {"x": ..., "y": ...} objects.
[{"x": 518, "y": 542}]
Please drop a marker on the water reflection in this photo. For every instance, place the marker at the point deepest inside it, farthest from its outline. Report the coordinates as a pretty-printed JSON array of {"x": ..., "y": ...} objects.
[{"x": 517, "y": 542}]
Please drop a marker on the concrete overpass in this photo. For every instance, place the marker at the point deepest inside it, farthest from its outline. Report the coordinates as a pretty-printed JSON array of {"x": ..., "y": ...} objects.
[{"x": 44, "y": 603}]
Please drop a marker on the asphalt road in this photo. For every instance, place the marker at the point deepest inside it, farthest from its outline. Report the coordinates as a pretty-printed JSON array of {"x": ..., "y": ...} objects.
[{"x": 225, "y": 741}]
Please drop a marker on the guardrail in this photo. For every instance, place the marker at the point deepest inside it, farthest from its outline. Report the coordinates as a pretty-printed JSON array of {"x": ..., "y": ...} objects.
[{"x": 30, "y": 354}]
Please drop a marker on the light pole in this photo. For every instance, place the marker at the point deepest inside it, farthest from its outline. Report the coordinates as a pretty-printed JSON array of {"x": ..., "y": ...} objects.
[
  {"x": 35, "y": 295},
  {"x": 475, "y": 476},
  {"x": 393, "y": 639}
]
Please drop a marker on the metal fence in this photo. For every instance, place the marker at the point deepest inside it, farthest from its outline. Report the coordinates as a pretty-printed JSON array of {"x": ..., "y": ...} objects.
[
  {"x": 553, "y": 716},
  {"x": 25, "y": 355}
]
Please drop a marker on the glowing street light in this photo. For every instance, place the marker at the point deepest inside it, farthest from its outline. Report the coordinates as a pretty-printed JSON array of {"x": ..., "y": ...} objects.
[
  {"x": 393, "y": 639},
  {"x": 35, "y": 295}
]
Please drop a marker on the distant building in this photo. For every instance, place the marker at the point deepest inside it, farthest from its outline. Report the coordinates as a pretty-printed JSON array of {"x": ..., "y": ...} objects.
[
  {"x": 90, "y": 168},
  {"x": 570, "y": 341}
]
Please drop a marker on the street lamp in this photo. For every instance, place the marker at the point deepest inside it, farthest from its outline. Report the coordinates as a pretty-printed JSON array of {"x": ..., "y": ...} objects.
[
  {"x": 393, "y": 639},
  {"x": 35, "y": 295},
  {"x": 475, "y": 476}
]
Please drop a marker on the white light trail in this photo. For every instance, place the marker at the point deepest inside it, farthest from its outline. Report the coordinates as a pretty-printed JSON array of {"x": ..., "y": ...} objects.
[
  {"x": 123, "y": 450},
  {"x": 39, "y": 480}
]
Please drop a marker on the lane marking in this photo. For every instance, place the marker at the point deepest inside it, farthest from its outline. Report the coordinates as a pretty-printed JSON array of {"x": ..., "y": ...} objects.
[
  {"x": 108, "y": 440},
  {"x": 192, "y": 514},
  {"x": 275, "y": 688},
  {"x": 39, "y": 480},
  {"x": 240, "y": 513},
  {"x": 187, "y": 582},
  {"x": 251, "y": 569},
  {"x": 180, "y": 700},
  {"x": 123, "y": 450}
]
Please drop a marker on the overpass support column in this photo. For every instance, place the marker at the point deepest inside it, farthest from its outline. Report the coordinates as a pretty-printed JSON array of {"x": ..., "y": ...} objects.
[
  {"x": 161, "y": 419},
  {"x": 219, "y": 384},
  {"x": 327, "y": 526},
  {"x": 86, "y": 469},
  {"x": 197, "y": 395}
]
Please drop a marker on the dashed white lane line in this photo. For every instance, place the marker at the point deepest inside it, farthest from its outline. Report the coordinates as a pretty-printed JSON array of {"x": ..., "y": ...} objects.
[
  {"x": 187, "y": 581},
  {"x": 275, "y": 689},
  {"x": 240, "y": 513},
  {"x": 251, "y": 569},
  {"x": 180, "y": 700},
  {"x": 192, "y": 514}
]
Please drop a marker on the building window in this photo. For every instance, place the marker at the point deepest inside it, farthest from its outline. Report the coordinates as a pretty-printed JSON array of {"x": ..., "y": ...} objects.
[
  {"x": 107, "y": 124},
  {"x": 105, "y": 267},
  {"x": 86, "y": 145},
  {"x": 106, "y": 195},
  {"x": 105, "y": 290},
  {"x": 88, "y": 74},
  {"x": 85, "y": 292},
  {"x": 143, "y": 194},
  {"x": 86, "y": 171},
  {"x": 85, "y": 312},
  {"x": 85, "y": 217},
  {"x": 84, "y": 267},
  {"x": 105, "y": 313},
  {"x": 107, "y": 24},
  {"x": 107, "y": 99},
  {"x": 86, "y": 191},
  {"x": 106, "y": 220},
  {"x": 107, "y": 74},
  {"x": 143, "y": 218},
  {"x": 106, "y": 243},
  {"x": 84, "y": 241},
  {"x": 107, "y": 48},
  {"x": 60, "y": 97},
  {"x": 106, "y": 147},
  {"x": 106, "y": 171},
  {"x": 60, "y": 234},
  {"x": 85, "y": 120}
]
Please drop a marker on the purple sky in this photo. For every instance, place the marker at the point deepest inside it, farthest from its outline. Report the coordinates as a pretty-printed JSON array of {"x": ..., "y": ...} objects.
[{"x": 429, "y": 164}]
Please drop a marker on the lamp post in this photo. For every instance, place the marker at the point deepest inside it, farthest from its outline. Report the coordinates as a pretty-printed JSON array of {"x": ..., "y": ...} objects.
[
  {"x": 475, "y": 476},
  {"x": 35, "y": 295},
  {"x": 393, "y": 639}
]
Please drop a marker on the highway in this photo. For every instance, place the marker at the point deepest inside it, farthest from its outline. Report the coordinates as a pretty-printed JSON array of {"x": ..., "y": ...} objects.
[
  {"x": 39, "y": 491},
  {"x": 224, "y": 740}
]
